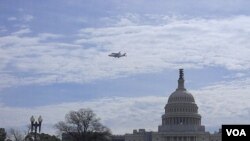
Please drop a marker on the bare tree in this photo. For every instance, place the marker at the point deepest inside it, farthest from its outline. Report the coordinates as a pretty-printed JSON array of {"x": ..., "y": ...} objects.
[
  {"x": 2, "y": 134},
  {"x": 83, "y": 125},
  {"x": 28, "y": 130},
  {"x": 15, "y": 134}
]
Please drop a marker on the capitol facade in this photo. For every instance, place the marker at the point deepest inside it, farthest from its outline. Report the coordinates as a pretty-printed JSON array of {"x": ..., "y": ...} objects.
[{"x": 180, "y": 122}]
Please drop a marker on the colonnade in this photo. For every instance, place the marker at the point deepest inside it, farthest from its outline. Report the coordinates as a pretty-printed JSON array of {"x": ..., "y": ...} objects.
[
  {"x": 181, "y": 120},
  {"x": 180, "y": 138}
]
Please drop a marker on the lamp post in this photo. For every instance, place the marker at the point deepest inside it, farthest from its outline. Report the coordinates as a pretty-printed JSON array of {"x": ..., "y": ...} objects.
[{"x": 35, "y": 124}]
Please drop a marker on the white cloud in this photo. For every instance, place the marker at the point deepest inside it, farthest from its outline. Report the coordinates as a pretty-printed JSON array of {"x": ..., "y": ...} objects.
[
  {"x": 222, "y": 103},
  {"x": 125, "y": 22},
  {"x": 225, "y": 103},
  {"x": 27, "y": 18},
  {"x": 22, "y": 32},
  {"x": 193, "y": 43},
  {"x": 45, "y": 36},
  {"x": 20, "y": 10},
  {"x": 12, "y": 19},
  {"x": 2, "y": 29},
  {"x": 120, "y": 113},
  {"x": 81, "y": 19},
  {"x": 236, "y": 75}
]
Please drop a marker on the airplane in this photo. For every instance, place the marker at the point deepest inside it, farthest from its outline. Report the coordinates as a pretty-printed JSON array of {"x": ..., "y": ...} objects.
[{"x": 117, "y": 55}]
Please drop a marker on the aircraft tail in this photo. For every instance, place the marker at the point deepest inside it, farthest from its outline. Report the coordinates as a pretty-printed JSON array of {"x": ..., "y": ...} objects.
[{"x": 124, "y": 54}]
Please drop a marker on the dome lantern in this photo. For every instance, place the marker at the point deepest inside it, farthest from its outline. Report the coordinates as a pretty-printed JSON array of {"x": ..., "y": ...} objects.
[{"x": 181, "y": 81}]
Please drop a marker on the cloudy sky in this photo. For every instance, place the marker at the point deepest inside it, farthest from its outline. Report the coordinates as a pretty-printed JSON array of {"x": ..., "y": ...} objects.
[{"x": 54, "y": 58}]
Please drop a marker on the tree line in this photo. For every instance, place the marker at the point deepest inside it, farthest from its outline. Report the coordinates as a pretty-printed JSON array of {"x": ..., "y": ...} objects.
[{"x": 81, "y": 125}]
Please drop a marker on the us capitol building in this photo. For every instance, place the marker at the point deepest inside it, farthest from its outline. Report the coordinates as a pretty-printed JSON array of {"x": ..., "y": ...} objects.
[{"x": 181, "y": 121}]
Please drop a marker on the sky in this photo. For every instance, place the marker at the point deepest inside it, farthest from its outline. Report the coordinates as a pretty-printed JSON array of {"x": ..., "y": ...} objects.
[{"x": 54, "y": 59}]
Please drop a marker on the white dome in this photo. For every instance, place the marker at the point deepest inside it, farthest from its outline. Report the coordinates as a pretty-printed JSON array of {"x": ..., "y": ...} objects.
[
  {"x": 181, "y": 112},
  {"x": 181, "y": 97}
]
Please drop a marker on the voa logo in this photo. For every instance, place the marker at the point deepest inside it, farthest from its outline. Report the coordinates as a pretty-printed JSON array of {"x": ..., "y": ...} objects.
[{"x": 236, "y": 132}]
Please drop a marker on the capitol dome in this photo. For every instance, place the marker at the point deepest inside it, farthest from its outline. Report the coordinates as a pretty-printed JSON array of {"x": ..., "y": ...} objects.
[
  {"x": 181, "y": 111},
  {"x": 181, "y": 94},
  {"x": 181, "y": 97},
  {"x": 180, "y": 122}
]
